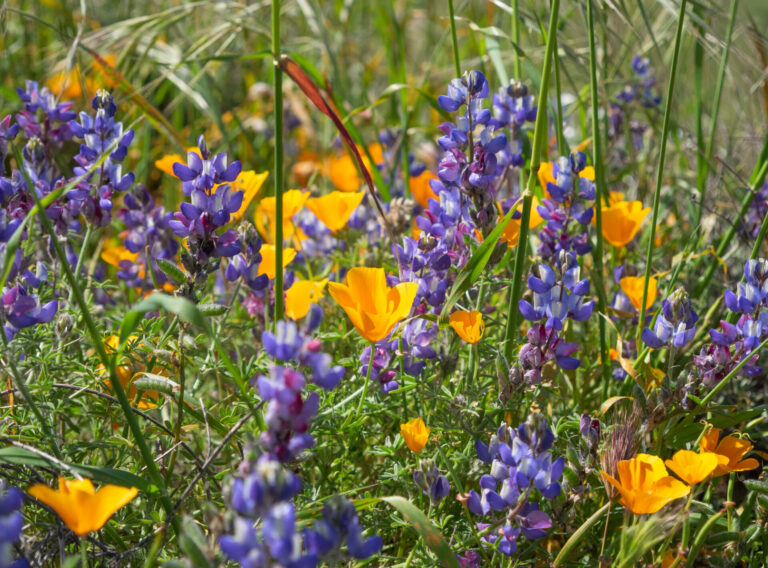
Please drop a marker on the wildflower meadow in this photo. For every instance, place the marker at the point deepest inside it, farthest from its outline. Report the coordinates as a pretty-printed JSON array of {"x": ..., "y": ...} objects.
[{"x": 398, "y": 283}]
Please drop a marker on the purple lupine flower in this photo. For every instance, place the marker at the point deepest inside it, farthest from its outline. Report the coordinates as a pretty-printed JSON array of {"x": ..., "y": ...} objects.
[
  {"x": 275, "y": 543},
  {"x": 101, "y": 135},
  {"x": 19, "y": 309},
  {"x": 8, "y": 132},
  {"x": 557, "y": 295},
  {"x": 675, "y": 326},
  {"x": 203, "y": 171},
  {"x": 737, "y": 341},
  {"x": 431, "y": 483},
  {"x": 288, "y": 414},
  {"x": 568, "y": 209},
  {"x": 289, "y": 344},
  {"x": 339, "y": 525},
  {"x": 560, "y": 296},
  {"x": 148, "y": 234},
  {"x": 521, "y": 462},
  {"x": 246, "y": 265},
  {"x": 198, "y": 222},
  {"x": 261, "y": 486},
  {"x": 758, "y": 209},
  {"x": 11, "y": 524},
  {"x": 43, "y": 117},
  {"x": 470, "y": 559}
]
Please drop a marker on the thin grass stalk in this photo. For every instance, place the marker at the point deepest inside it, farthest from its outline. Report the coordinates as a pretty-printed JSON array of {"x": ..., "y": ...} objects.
[
  {"x": 701, "y": 159},
  {"x": 516, "y": 39},
  {"x": 660, "y": 171},
  {"x": 597, "y": 161},
  {"x": 561, "y": 143},
  {"x": 707, "y": 158},
  {"x": 539, "y": 133},
  {"x": 405, "y": 119},
  {"x": 106, "y": 360},
  {"x": 277, "y": 78},
  {"x": 454, "y": 41}
]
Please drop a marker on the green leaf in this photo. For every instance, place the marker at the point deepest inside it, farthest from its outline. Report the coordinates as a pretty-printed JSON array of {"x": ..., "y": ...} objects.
[
  {"x": 757, "y": 486},
  {"x": 171, "y": 270},
  {"x": 192, "y": 543},
  {"x": 212, "y": 309},
  {"x": 182, "y": 307},
  {"x": 20, "y": 456},
  {"x": 580, "y": 533},
  {"x": 432, "y": 537}
]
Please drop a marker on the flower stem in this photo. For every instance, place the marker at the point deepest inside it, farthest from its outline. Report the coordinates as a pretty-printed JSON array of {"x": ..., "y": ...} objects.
[
  {"x": 660, "y": 169},
  {"x": 83, "y": 553},
  {"x": 278, "y": 164},
  {"x": 539, "y": 134},
  {"x": 454, "y": 41},
  {"x": 359, "y": 409},
  {"x": 180, "y": 417}
]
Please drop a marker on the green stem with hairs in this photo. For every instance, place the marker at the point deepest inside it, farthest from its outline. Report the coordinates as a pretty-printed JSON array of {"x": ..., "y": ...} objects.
[
  {"x": 277, "y": 77},
  {"x": 539, "y": 133},
  {"x": 660, "y": 170}
]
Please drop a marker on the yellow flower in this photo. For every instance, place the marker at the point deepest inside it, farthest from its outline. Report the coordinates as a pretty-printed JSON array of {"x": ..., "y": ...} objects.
[
  {"x": 342, "y": 170},
  {"x": 468, "y": 325},
  {"x": 644, "y": 484},
  {"x": 267, "y": 264},
  {"x": 416, "y": 434},
  {"x": 421, "y": 190},
  {"x": 371, "y": 305},
  {"x": 293, "y": 201},
  {"x": 335, "y": 209},
  {"x": 729, "y": 452},
  {"x": 115, "y": 254},
  {"x": 511, "y": 233},
  {"x": 83, "y": 509},
  {"x": 615, "y": 197},
  {"x": 249, "y": 182},
  {"x": 165, "y": 164},
  {"x": 692, "y": 467},
  {"x": 129, "y": 368},
  {"x": 632, "y": 286},
  {"x": 66, "y": 84},
  {"x": 300, "y": 295},
  {"x": 622, "y": 220}
]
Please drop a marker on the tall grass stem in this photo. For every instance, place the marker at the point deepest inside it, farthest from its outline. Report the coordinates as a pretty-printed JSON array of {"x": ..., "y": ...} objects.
[
  {"x": 597, "y": 161},
  {"x": 539, "y": 134},
  {"x": 277, "y": 78},
  {"x": 660, "y": 170}
]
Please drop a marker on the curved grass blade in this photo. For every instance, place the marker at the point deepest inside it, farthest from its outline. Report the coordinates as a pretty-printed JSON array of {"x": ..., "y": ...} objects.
[{"x": 422, "y": 525}]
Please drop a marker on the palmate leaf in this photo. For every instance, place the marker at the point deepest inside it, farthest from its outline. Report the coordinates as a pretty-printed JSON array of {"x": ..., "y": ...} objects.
[{"x": 422, "y": 525}]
